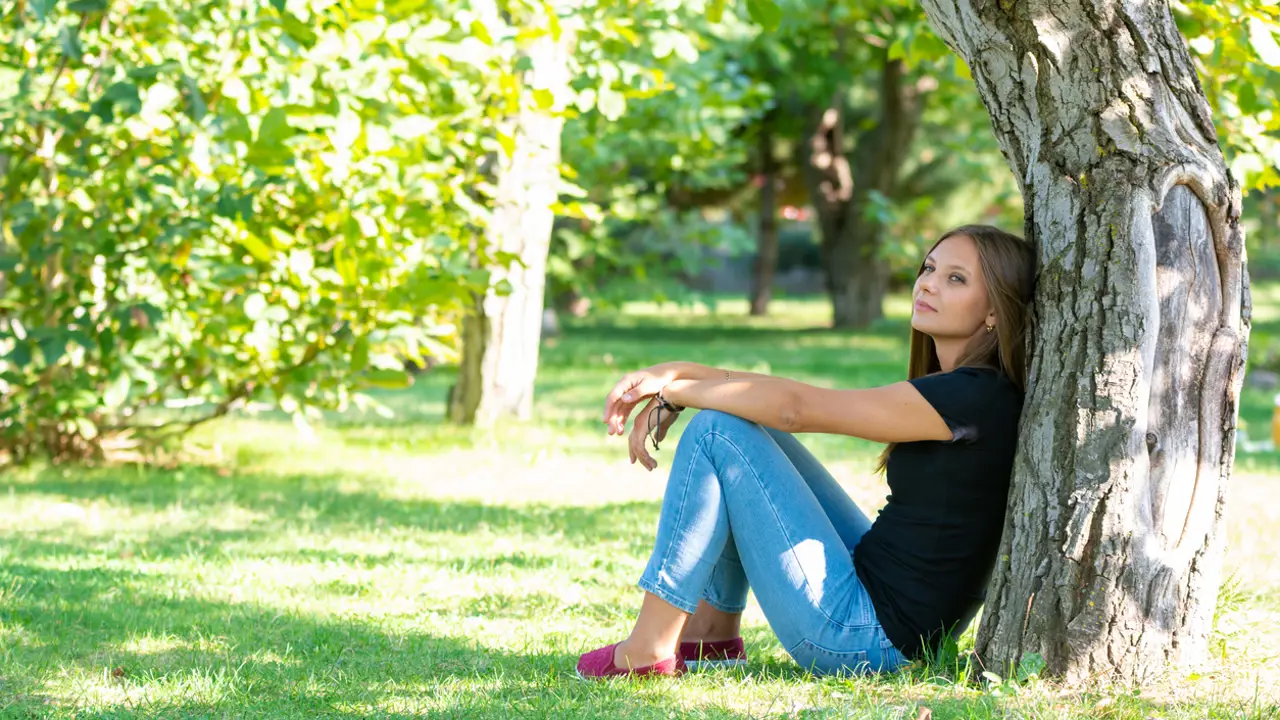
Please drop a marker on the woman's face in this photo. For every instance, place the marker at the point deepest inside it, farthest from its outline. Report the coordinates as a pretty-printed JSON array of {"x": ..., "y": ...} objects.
[{"x": 950, "y": 297}]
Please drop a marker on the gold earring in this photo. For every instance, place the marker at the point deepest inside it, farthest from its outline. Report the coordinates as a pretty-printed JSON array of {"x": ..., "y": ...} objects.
[{"x": 990, "y": 328}]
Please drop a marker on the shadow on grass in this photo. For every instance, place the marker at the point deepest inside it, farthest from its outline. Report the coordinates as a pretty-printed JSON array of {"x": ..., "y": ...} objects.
[
  {"x": 171, "y": 654},
  {"x": 320, "y": 502},
  {"x": 242, "y": 659}
]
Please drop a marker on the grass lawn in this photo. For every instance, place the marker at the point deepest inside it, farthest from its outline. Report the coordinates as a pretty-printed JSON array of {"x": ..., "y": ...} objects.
[{"x": 400, "y": 567}]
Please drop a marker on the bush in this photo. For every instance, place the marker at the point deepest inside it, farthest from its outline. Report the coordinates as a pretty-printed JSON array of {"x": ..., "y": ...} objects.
[{"x": 225, "y": 202}]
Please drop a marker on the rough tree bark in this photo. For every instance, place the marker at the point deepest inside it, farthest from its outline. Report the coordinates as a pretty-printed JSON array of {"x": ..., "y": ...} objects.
[
  {"x": 766, "y": 263},
  {"x": 1112, "y": 549},
  {"x": 857, "y": 277},
  {"x": 501, "y": 337}
]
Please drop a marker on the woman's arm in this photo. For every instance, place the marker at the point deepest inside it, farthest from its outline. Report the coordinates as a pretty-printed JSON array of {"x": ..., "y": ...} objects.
[
  {"x": 893, "y": 413},
  {"x": 638, "y": 386},
  {"x": 682, "y": 370}
]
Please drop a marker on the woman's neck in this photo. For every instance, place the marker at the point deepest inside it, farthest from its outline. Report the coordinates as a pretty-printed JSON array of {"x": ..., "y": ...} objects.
[{"x": 949, "y": 351}]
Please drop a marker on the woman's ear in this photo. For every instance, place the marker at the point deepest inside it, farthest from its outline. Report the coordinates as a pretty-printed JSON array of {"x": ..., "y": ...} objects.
[{"x": 991, "y": 319}]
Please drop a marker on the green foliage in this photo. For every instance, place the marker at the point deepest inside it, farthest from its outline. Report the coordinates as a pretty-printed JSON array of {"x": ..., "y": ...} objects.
[
  {"x": 642, "y": 171},
  {"x": 691, "y": 139},
  {"x": 223, "y": 202},
  {"x": 1234, "y": 45}
]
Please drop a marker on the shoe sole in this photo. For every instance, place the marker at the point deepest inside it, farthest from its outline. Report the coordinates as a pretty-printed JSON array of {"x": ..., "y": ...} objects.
[
  {"x": 593, "y": 678},
  {"x": 695, "y": 665}
]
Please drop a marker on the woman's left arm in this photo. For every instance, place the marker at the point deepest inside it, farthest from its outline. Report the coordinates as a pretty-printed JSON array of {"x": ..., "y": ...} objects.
[{"x": 893, "y": 413}]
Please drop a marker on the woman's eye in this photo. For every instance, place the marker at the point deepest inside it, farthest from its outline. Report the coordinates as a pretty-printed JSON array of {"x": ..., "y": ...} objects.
[{"x": 957, "y": 278}]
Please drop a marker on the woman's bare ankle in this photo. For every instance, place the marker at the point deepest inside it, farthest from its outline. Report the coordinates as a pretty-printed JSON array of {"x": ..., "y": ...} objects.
[
  {"x": 631, "y": 653},
  {"x": 710, "y": 624},
  {"x": 711, "y": 632}
]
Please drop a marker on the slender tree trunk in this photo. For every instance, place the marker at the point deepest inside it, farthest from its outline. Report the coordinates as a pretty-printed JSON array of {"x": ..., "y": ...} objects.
[
  {"x": 1112, "y": 549},
  {"x": 857, "y": 278},
  {"x": 501, "y": 339},
  {"x": 4, "y": 276},
  {"x": 766, "y": 264}
]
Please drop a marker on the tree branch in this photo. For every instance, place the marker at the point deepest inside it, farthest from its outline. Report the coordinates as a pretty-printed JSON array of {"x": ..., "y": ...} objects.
[{"x": 181, "y": 427}]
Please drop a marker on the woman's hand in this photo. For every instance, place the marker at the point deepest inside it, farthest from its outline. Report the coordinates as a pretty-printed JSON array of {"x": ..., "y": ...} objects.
[
  {"x": 640, "y": 433},
  {"x": 631, "y": 390}
]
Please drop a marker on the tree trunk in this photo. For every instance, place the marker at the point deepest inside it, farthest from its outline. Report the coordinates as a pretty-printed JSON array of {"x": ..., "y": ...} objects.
[
  {"x": 857, "y": 278},
  {"x": 1113, "y": 541},
  {"x": 501, "y": 338},
  {"x": 767, "y": 240},
  {"x": 4, "y": 276}
]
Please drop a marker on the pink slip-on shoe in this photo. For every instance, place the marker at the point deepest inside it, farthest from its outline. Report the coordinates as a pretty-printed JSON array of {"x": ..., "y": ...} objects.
[
  {"x": 599, "y": 664},
  {"x": 704, "y": 655}
]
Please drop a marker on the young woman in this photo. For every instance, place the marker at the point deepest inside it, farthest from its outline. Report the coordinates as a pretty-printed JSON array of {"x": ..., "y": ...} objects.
[{"x": 747, "y": 506}]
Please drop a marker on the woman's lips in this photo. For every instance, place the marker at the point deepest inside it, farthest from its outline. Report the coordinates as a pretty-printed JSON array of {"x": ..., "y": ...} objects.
[{"x": 922, "y": 305}]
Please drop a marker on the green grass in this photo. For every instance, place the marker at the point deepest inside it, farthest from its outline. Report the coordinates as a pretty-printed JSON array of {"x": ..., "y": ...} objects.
[{"x": 401, "y": 567}]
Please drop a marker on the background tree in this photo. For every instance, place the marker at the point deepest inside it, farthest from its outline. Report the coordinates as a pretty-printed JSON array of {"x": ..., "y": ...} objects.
[
  {"x": 502, "y": 330},
  {"x": 571, "y": 58},
  {"x": 861, "y": 107},
  {"x": 1112, "y": 551}
]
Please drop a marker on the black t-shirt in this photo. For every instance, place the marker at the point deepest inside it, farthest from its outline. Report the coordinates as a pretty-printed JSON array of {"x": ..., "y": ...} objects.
[{"x": 927, "y": 558}]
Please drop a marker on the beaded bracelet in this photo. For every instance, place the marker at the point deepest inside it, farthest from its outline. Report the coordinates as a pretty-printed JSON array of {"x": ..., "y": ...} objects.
[{"x": 667, "y": 405}]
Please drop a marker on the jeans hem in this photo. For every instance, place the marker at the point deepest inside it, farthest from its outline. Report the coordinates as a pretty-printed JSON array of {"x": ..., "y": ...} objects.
[
  {"x": 666, "y": 596},
  {"x": 724, "y": 608}
]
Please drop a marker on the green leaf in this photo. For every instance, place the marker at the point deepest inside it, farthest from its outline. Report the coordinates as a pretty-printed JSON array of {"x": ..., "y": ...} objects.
[
  {"x": 765, "y": 13},
  {"x": 389, "y": 379},
  {"x": 360, "y": 355},
  {"x": 439, "y": 350},
  {"x": 42, "y": 8},
  {"x": 255, "y": 246},
  {"x": 69, "y": 40},
  {"x": 480, "y": 32},
  {"x": 508, "y": 143},
  {"x": 196, "y": 106},
  {"x": 545, "y": 99},
  {"x": 299, "y": 31},
  {"x": 1263, "y": 40},
  {"x": 53, "y": 348},
  {"x": 117, "y": 392},
  {"x": 1247, "y": 97},
  {"x": 275, "y": 127},
  {"x": 122, "y": 98},
  {"x": 87, "y": 429},
  {"x": 1030, "y": 666},
  {"x": 715, "y": 11},
  {"x": 345, "y": 263},
  {"x": 20, "y": 355},
  {"x": 87, "y": 6}
]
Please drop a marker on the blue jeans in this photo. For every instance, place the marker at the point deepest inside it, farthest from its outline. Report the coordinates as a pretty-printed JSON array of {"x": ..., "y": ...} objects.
[{"x": 746, "y": 506}]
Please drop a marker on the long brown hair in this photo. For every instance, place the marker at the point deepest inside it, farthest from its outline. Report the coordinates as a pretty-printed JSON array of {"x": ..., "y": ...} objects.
[{"x": 1008, "y": 266}]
